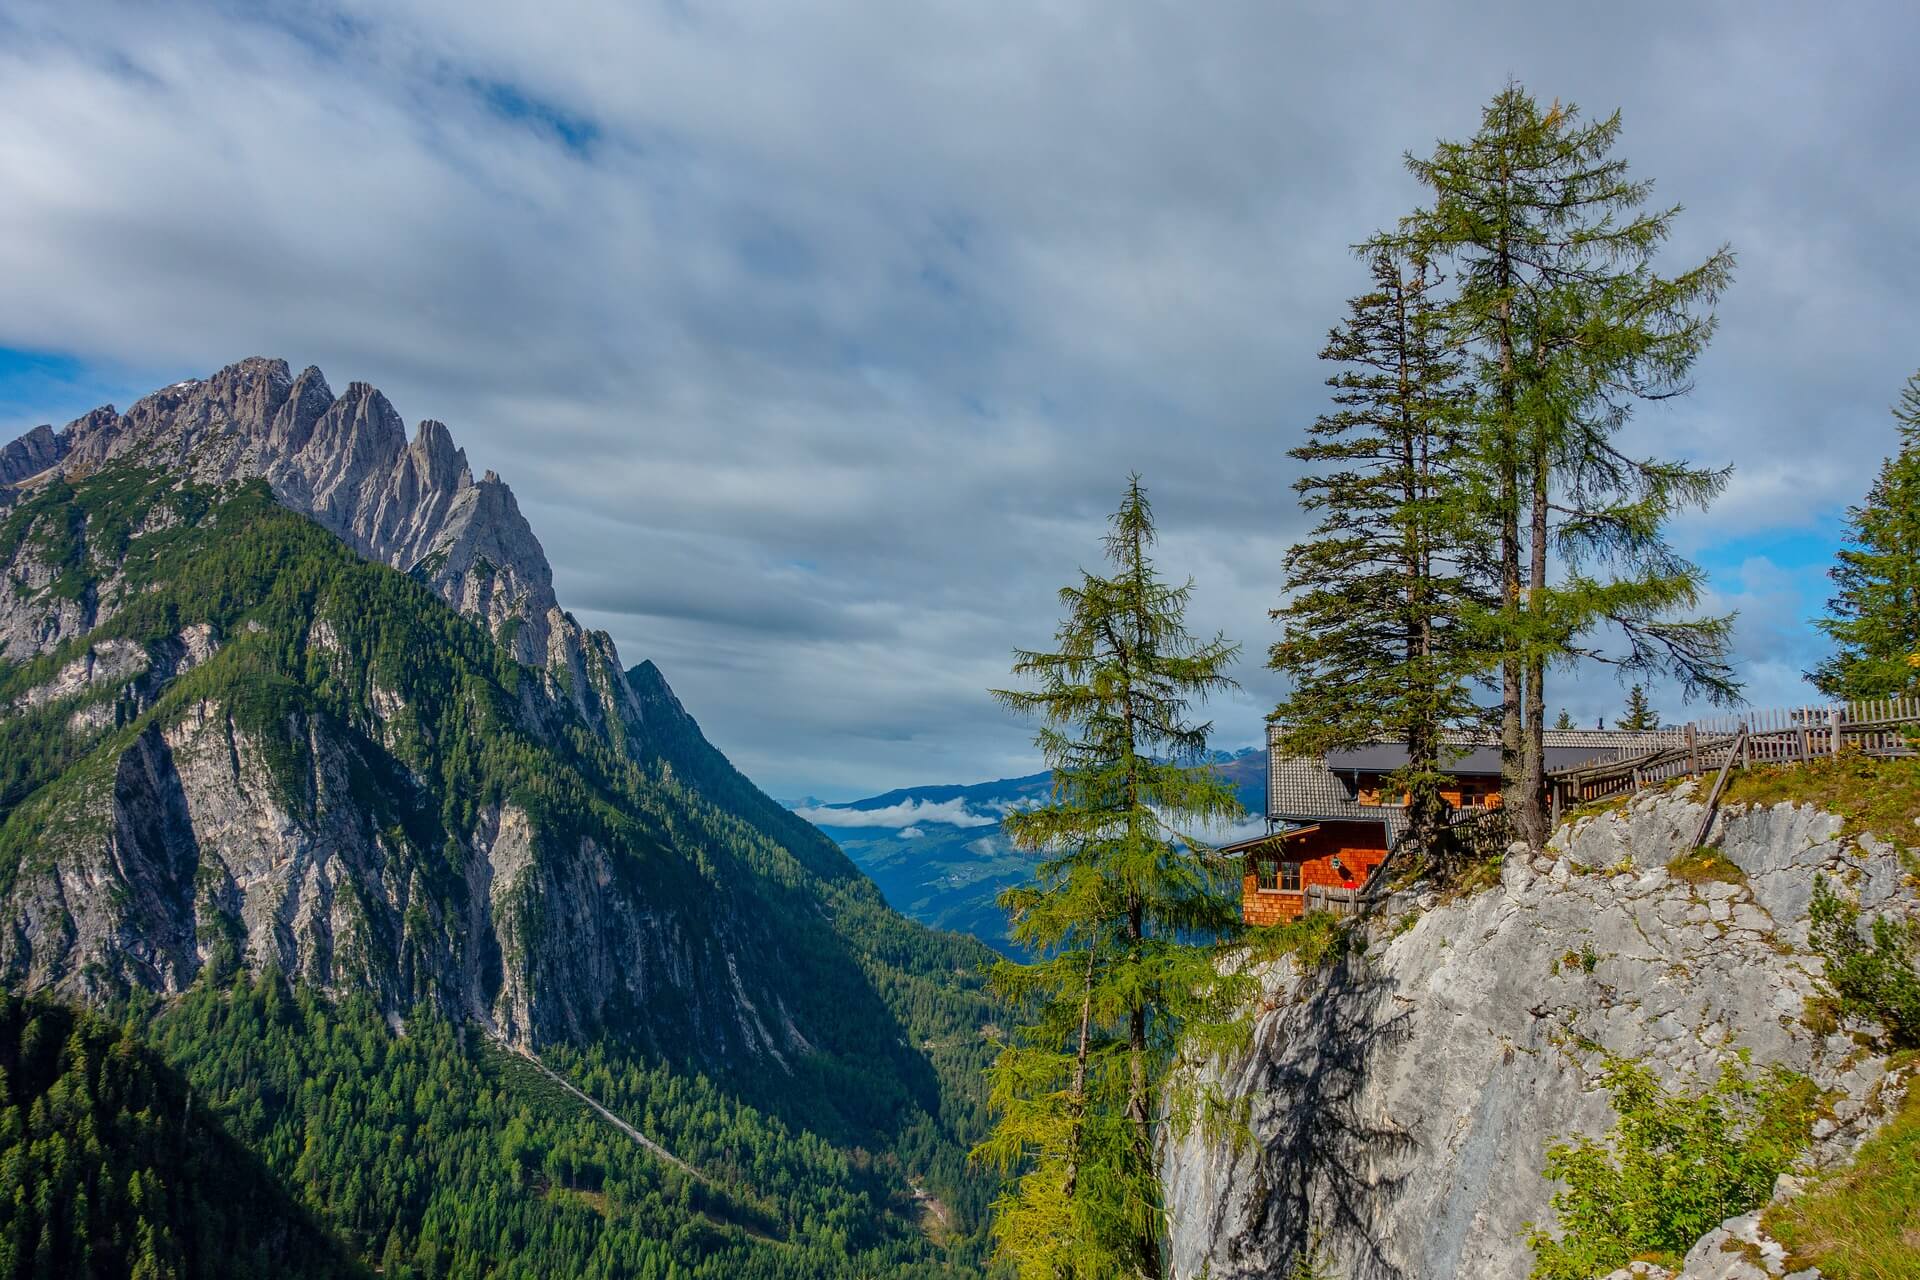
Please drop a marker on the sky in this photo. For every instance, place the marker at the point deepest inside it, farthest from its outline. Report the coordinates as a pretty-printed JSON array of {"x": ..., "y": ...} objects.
[{"x": 818, "y": 339}]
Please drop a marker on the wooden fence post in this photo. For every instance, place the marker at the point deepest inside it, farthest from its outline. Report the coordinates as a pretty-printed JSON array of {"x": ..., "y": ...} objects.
[
  {"x": 1833, "y": 723},
  {"x": 1746, "y": 747},
  {"x": 1693, "y": 754}
]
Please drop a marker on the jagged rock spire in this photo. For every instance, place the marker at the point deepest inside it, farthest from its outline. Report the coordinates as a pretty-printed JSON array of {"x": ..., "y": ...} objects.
[{"x": 346, "y": 461}]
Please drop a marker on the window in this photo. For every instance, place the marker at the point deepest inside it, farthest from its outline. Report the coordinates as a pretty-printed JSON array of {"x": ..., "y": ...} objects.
[{"x": 1271, "y": 875}]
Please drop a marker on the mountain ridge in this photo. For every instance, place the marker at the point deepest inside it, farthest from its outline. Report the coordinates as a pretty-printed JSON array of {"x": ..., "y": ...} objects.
[
  {"x": 939, "y": 852},
  {"x": 413, "y": 504}
]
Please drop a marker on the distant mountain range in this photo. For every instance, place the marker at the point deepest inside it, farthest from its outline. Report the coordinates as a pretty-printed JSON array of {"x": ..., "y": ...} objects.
[{"x": 941, "y": 856}]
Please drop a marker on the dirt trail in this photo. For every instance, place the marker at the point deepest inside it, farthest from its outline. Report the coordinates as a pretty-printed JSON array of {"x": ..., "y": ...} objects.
[{"x": 651, "y": 1146}]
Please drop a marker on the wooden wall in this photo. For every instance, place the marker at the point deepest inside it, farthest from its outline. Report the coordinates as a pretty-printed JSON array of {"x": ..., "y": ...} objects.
[{"x": 1359, "y": 846}]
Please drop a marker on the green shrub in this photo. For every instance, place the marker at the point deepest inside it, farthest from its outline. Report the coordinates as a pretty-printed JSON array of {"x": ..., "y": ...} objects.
[
  {"x": 1675, "y": 1166},
  {"x": 1876, "y": 979}
]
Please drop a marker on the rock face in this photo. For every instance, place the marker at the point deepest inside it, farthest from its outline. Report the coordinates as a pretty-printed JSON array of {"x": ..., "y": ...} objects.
[
  {"x": 1402, "y": 1101},
  {"x": 347, "y": 462},
  {"x": 372, "y": 800}
]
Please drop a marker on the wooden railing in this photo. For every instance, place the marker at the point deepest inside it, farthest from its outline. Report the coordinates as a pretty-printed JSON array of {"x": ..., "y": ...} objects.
[{"x": 1774, "y": 735}]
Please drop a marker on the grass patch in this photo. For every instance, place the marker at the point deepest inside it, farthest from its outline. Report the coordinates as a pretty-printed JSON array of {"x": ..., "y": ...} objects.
[
  {"x": 1880, "y": 797},
  {"x": 1594, "y": 808},
  {"x": 1705, "y": 866},
  {"x": 1475, "y": 878},
  {"x": 1862, "y": 1222}
]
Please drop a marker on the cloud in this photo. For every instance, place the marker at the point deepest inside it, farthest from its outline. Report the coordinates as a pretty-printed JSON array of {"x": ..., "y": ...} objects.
[
  {"x": 818, "y": 341},
  {"x": 906, "y": 815}
]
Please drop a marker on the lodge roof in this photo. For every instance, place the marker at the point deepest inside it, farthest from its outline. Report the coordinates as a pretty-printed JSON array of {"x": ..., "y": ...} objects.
[
  {"x": 1305, "y": 790},
  {"x": 1302, "y": 789}
]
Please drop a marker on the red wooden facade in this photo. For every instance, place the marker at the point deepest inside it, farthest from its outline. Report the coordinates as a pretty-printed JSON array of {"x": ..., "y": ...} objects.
[{"x": 1338, "y": 855}]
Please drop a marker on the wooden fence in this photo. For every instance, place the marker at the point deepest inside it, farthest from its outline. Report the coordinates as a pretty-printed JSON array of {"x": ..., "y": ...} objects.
[{"x": 1775, "y": 735}]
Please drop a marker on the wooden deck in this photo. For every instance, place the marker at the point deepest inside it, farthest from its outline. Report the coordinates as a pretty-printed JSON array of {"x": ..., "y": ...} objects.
[{"x": 1772, "y": 735}]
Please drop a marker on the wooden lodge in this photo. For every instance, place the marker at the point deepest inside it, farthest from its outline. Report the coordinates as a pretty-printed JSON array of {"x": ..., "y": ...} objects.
[{"x": 1331, "y": 822}]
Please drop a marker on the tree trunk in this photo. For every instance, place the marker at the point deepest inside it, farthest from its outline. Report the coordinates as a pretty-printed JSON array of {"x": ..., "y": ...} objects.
[
  {"x": 1080, "y": 1074},
  {"x": 1419, "y": 698},
  {"x": 1532, "y": 820}
]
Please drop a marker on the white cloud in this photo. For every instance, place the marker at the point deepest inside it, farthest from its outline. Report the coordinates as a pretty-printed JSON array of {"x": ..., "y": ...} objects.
[
  {"x": 817, "y": 340},
  {"x": 906, "y": 815},
  {"x": 911, "y": 833}
]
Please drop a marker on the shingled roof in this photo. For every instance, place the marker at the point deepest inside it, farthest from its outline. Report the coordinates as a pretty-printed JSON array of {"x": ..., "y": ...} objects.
[{"x": 1306, "y": 789}]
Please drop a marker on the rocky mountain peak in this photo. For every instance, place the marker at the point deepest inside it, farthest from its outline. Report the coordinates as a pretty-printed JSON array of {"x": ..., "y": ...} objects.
[{"x": 347, "y": 462}]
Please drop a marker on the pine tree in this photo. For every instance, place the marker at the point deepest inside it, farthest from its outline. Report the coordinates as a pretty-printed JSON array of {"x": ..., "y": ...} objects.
[
  {"x": 1373, "y": 643},
  {"x": 1639, "y": 716},
  {"x": 1568, "y": 326},
  {"x": 1565, "y": 720},
  {"x": 1874, "y": 615},
  {"x": 1127, "y": 914}
]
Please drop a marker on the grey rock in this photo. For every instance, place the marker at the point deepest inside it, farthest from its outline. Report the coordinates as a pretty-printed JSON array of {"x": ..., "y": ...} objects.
[
  {"x": 184, "y": 849},
  {"x": 1402, "y": 1100},
  {"x": 347, "y": 462}
]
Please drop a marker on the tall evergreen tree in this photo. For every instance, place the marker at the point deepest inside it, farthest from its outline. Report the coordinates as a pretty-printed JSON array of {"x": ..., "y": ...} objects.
[
  {"x": 1374, "y": 643},
  {"x": 1640, "y": 715},
  {"x": 1874, "y": 615},
  {"x": 1565, "y": 720},
  {"x": 1127, "y": 914},
  {"x": 1568, "y": 325}
]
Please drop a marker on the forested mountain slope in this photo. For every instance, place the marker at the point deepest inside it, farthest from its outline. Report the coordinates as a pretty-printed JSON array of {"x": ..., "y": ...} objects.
[
  {"x": 938, "y": 852},
  {"x": 234, "y": 745},
  {"x": 114, "y": 1169}
]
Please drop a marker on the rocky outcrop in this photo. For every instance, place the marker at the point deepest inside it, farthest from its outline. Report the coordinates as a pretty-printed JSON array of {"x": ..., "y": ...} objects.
[
  {"x": 200, "y": 845},
  {"x": 31, "y": 454},
  {"x": 1402, "y": 1100},
  {"x": 346, "y": 461},
  {"x": 205, "y": 835}
]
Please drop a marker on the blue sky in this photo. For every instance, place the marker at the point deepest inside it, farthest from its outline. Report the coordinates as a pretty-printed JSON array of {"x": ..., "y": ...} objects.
[{"x": 818, "y": 339}]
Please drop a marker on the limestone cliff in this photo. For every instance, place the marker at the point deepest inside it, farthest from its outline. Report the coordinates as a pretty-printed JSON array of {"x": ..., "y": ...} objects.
[
  {"x": 283, "y": 689},
  {"x": 1402, "y": 1099}
]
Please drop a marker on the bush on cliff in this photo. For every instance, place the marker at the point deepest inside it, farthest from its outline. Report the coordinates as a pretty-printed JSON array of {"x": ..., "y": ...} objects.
[{"x": 1677, "y": 1164}]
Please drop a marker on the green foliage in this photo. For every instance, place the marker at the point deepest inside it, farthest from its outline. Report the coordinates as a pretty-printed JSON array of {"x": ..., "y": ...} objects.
[
  {"x": 1876, "y": 795},
  {"x": 1676, "y": 1165},
  {"x": 1877, "y": 976},
  {"x": 110, "y": 1167},
  {"x": 1374, "y": 642},
  {"x": 436, "y": 1155},
  {"x": 1874, "y": 615},
  {"x": 437, "y": 724},
  {"x": 1312, "y": 1263},
  {"x": 1862, "y": 1222},
  {"x": 1639, "y": 716},
  {"x": 1126, "y": 918},
  {"x": 1314, "y": 939},
  {"x": 1566, "y": 326}
]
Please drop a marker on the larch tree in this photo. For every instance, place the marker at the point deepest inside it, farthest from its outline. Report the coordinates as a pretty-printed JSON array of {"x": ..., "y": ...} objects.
[
  {"x": 1127, "y": 916},
  {"x": 1874, "y": 615},
  {"x": 1568, "y": 326},
  {"x": 1375, "y": 643}
]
